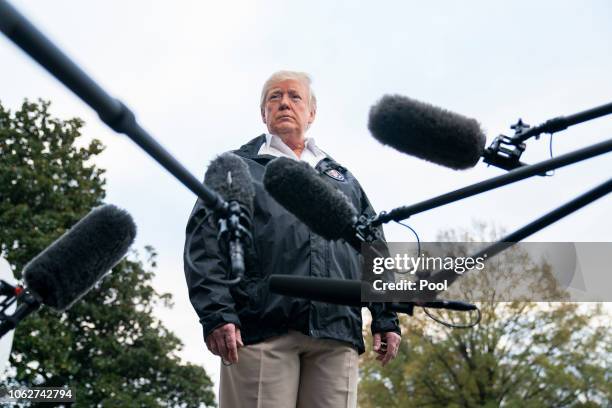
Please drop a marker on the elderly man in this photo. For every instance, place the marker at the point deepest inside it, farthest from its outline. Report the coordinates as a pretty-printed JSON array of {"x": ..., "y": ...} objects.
[{"x": 280, "y": 351}]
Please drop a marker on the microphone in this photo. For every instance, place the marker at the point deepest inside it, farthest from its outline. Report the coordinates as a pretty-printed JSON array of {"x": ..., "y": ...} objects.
[
  {"x": 229, "y": 176},
  {"x": 427, "y": 132},
  {"x": 74, "y": 263},
  {"x": 65, "y": 271},
  {"x": 327, "y": 290},
  {"x": 315, "y": 202},
  {"x": 347, "y": 292}
]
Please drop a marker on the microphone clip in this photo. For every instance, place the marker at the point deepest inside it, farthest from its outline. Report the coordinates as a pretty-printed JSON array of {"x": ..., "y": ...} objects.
[
  {"x": 366, "y": 230},
  {"x": 505, "y": 151},
  {"x": 235, "y": 228},
  {"x": 12, "y": 294}
]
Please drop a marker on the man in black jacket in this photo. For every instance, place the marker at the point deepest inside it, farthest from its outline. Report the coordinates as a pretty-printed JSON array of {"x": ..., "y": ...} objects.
[{"x": 281, "y": 351}]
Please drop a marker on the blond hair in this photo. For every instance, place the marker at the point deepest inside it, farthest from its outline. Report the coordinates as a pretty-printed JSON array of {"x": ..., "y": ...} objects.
[{"x": 283, "y": 76}]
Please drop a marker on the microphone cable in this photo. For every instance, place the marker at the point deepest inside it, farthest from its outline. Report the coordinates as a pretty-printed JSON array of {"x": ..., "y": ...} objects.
[
  {"x": 454, "y": 325},
  {"x": 415, "y": 234},
  {"x": 550, "y": 151},
  {"x": 451, "y": 325}
]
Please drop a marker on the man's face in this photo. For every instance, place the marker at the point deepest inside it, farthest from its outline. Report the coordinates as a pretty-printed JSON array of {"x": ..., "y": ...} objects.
[{"x": 286, "y": 109}]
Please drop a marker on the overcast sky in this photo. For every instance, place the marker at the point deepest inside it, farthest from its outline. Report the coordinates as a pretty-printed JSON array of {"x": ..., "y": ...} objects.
[{"x": 192, "y": 72}]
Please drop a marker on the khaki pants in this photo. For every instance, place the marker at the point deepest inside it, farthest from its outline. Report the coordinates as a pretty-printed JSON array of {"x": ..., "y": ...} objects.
[{"x": 293, "y": 370}]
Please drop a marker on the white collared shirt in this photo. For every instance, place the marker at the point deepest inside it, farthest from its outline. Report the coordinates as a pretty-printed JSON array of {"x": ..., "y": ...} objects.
[{"x": 275, "y": 146}]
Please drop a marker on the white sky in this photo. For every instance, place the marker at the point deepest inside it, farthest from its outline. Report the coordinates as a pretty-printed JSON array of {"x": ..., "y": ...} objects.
[{"x": 192, "y": 72}]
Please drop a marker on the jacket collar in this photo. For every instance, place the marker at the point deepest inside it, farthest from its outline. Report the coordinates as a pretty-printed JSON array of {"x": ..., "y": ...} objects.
[{"x": 250, "y": 150}]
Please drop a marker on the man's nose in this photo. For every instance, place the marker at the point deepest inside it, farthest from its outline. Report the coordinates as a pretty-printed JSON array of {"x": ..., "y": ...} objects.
[{"x": 284, "y": 102}]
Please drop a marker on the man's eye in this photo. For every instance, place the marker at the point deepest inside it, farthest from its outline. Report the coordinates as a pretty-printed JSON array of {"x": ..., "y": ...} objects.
[{"x": 296, "y": 97}]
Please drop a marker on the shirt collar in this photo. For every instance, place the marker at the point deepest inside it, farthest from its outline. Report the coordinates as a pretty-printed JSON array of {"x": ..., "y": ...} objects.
[{"x": 277, "y": 143}]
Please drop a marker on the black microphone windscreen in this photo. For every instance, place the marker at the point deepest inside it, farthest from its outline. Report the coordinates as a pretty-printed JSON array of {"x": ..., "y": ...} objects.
[
  {"x": 427, "y": 132},
  {"x": 229, "y": 176},
  {"x": 337, "y": 291},
  {"x": 300, "y": 189},
  {"x": 71, "y": 266}
]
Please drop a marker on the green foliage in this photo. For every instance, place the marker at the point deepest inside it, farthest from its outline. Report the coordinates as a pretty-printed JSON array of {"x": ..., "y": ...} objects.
[
  {"x": 45, "y": 184},
  {"x": 522, "y": 354},
  {"x": 108, "y": 347}
]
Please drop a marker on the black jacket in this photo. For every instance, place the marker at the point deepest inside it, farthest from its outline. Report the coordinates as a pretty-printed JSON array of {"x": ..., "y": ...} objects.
[{"x": 282, "y": 245}]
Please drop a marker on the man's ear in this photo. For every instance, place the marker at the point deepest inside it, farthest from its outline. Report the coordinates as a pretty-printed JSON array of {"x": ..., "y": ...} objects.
[
  {"x": 263, "y": 116},
  {"x": 313, "y": 113}
]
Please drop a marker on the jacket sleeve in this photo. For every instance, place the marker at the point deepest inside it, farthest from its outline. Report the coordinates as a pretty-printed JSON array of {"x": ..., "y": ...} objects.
[
  {"x": 382, "y": 320},
  {"x": 212, "y": 302}
]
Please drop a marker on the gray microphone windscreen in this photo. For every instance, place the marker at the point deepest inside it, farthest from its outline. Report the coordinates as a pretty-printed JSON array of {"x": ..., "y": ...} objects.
[
  {"x": 427, "y": 132},
  {"x": 300, "y": 189},
  {"x": 229, "y": 176},
  {"x": 71, "y": 266}
]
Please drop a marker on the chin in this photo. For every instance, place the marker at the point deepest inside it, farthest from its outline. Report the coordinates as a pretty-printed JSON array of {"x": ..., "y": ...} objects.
[{"x": 285, "y": 129}]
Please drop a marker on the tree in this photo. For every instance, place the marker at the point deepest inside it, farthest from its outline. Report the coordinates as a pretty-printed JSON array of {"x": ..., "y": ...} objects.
[
  {"x": 108, "y": 347},
  {"x": 527, "y": 354}
]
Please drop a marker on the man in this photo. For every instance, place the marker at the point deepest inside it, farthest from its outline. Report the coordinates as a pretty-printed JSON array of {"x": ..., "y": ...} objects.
[{"x": 280, "y": 351}]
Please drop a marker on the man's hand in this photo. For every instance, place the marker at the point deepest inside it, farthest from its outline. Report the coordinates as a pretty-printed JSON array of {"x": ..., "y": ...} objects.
[
  {"x": 224, "y": 341},
  {"x": 386, "y": 345}
]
